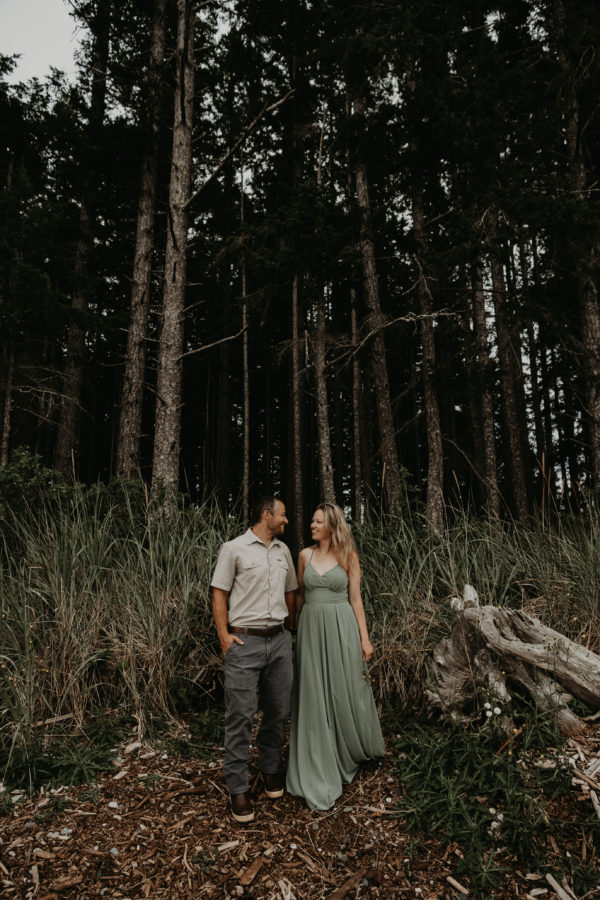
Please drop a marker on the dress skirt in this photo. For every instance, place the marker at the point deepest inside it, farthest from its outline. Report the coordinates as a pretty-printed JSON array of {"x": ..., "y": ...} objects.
[{"x": 334, "y": 724}]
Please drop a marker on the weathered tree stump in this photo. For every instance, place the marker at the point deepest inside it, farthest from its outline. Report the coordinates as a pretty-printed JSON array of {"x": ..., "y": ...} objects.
[{"x": 491, "y": 646}]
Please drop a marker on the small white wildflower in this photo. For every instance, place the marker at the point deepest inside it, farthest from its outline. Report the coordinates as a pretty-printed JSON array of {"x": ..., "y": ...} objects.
[
  {"x": 487, "y": 705},
  {"x": 500, "y": 817},
  {"x": 488, "y": 713},
  {"x": 492, "y": 811}
]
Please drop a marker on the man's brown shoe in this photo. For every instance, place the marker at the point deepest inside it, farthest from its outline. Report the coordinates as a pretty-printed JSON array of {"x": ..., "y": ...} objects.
[
  {"x": 241, "y": 807},
  {"x": 273, "y": 782}
]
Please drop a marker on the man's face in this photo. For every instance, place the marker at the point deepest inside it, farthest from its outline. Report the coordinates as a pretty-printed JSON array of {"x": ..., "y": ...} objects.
[{"x": 276, "y": 520}]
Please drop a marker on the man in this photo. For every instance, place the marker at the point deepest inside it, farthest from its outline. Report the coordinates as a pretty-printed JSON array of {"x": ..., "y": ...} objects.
[{"x": 253, "y": 599}]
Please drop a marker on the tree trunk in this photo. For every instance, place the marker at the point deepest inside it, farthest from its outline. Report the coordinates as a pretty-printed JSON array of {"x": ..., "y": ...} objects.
[
  {"x": 69, "y": 421},
  {"x": 536, "y": 400},
  {"x": 246, "y": 371},
  {"x": 222, "y": 463},
  {"x": 484, "y": 365},
  {"x": 130, "y": 423},
  {"x": 298, "y": 83},
  {"x": 298, "y": 512},
  {"x": 246, "y": 411},
  {"x": 6, "y": 418},
  {"x": 268, "y": 451},
  {"x": 576, "y": 78},
  {"x": 590, "y": 325},
  {"x": 67, "y": 438},
  {"x": 478, "y": 459},
  {"x": 572, "y": 444},
  {"x": 435, "y": 508},
  {"x": 558, "y": 421},
  {"x": 357, "y": 439},
  {"x": 506, "y": 353},
  {"x": 165, "y": 472},
  {"x": 356, "y": 442},
  {"x": 391, "y": 476},
  {"x": 319, "y": 347}
]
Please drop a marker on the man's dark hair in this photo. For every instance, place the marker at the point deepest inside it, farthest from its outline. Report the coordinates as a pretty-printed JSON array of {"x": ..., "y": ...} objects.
[{"x": 265, "y": 501}]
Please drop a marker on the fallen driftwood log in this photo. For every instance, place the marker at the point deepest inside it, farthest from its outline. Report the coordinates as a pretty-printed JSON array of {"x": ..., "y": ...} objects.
[{"x": 491, "y": 647}]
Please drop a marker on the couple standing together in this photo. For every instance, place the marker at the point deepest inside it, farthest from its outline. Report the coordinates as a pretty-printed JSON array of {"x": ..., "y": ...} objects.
[{"x": 256, "y": 601}]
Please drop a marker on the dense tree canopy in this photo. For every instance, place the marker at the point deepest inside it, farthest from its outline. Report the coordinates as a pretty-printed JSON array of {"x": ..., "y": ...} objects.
[{"x": 389, "y": 288}]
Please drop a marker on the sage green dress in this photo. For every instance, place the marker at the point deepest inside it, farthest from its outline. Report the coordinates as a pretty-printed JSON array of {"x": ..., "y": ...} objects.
[{"x": 334, "y": 723}]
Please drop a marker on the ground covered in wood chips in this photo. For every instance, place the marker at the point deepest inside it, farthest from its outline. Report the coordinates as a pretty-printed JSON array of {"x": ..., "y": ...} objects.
[{"x": 158, "y": 826}]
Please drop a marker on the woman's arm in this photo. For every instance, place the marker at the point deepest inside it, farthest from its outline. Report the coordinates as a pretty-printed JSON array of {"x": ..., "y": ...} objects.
[
  {"x": 357, "y": 607},
  {"x": 300, "y": 592}
]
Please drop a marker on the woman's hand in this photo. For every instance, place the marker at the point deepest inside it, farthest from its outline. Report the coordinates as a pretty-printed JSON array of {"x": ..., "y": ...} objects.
[{"x": 367, "y": 649}]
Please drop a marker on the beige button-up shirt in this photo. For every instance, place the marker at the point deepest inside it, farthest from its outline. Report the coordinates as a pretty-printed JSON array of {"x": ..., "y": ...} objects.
[{"x": 257, "y": 579}]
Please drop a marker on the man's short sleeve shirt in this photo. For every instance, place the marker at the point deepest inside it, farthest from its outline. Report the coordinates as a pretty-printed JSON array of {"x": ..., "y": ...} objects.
[{"x": 257, "y": 578}]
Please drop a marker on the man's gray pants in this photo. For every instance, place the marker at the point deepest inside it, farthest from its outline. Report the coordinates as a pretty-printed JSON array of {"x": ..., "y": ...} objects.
[{"x": 259, "y": 670}]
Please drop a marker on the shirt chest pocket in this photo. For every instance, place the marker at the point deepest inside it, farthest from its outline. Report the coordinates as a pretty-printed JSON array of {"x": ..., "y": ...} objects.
[
  {"x": 249, "y": 569},
  {"x": 280, "y": 570}
]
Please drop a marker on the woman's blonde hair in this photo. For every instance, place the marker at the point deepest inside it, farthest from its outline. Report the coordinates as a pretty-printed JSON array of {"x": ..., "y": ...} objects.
[{"x": 342, "y": 542}]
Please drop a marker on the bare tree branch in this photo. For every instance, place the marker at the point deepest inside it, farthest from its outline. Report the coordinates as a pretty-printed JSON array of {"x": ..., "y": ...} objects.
[
  {"x": 410, "y": 317},
  {"x": 224, "y": 340},
  {"x": 245, "y": 133}
]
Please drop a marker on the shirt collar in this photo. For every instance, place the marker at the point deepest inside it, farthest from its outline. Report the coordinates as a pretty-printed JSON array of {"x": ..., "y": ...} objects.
[{"x": 252, "y": 539}]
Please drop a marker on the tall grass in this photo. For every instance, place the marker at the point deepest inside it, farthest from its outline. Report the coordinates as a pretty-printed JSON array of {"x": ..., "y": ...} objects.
[
  {"x": 106, "y": 605},
  {"x": 102, "y": 610},
  {"x": 409, "y": 576}
]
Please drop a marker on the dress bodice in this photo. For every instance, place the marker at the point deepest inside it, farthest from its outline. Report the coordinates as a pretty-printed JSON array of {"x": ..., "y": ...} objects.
[{"x": 331, "y": 587}]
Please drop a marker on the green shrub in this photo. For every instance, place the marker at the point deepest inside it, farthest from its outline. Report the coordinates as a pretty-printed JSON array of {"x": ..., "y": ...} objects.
[{"x": 468, "y": 783}]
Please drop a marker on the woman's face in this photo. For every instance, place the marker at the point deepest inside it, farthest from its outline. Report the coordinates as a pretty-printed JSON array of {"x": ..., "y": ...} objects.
[{"x": 318, "y": 528}]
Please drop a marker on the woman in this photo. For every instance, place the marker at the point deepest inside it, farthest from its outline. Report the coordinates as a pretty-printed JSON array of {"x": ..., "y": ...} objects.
[{"x": 334, "y": 724}]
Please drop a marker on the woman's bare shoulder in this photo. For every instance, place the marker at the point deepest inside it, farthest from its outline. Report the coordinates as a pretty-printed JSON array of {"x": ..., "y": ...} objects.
[{"x": 306, "y": 552}]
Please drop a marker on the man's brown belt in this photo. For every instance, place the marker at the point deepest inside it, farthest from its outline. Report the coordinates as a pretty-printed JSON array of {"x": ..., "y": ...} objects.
[{"x": 258, "y": 632}]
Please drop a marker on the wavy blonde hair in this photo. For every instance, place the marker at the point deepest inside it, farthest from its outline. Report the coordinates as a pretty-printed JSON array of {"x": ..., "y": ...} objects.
[{"x": 342, "y": 542}]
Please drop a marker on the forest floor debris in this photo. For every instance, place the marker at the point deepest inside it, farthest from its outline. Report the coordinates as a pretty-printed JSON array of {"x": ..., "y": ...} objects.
[{"x": 158, "y": 826}]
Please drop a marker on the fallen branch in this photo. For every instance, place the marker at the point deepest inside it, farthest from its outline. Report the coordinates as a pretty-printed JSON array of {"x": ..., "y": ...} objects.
[
  {"x": 252, "y": 871},
  {"x": 562, "y": 893},
  {"x": 349, "y": 885},
  {"x": 53, "y": 720},
  {"x": 456, "y": 884},
  {"x": 490, "y": 645},
  {"x": 593, "y": 784}
]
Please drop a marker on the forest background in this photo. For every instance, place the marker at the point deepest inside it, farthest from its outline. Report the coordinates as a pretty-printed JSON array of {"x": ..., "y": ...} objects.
[
  {"x": 331, "y": 251},
  {"x": 334, "y": 251}
]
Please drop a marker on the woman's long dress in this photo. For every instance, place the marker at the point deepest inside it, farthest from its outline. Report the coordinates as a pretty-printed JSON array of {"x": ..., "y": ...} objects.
[{"x": 334, "y": 723}]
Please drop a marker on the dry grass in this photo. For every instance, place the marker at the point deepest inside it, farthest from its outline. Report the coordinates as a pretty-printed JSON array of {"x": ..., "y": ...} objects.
[{"x": 106, "y": 606}]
